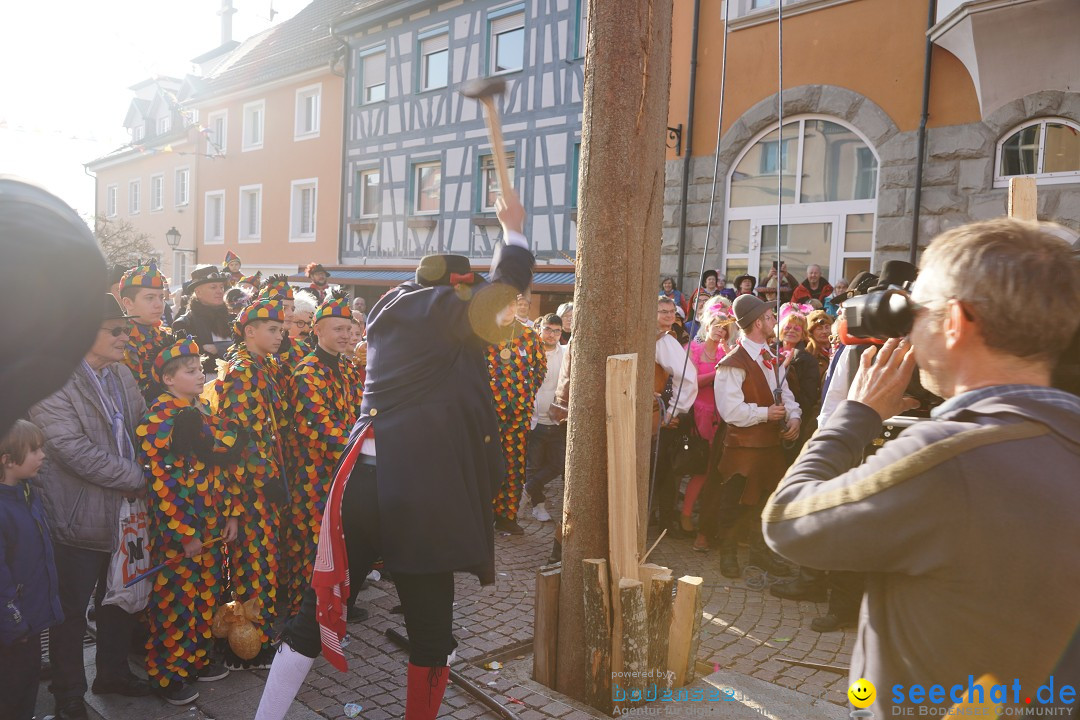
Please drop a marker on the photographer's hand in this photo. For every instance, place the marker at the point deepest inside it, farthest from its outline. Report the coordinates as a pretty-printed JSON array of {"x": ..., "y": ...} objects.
[{"x": 880, "y": 385}]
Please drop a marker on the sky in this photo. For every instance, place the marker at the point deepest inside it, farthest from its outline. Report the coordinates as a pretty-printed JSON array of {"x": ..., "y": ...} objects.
[{"x": 66, "y": 66}]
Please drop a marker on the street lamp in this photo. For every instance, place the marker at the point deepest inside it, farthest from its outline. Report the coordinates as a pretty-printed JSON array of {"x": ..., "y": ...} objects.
[{"x": 173, "y": 237}]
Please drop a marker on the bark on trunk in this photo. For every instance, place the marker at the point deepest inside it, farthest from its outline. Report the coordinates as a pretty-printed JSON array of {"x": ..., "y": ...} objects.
[{"x": 620, "y": 206}]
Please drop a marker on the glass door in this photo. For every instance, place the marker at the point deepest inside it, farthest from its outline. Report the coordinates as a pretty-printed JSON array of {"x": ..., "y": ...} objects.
[{"x": 803, "y": 242}]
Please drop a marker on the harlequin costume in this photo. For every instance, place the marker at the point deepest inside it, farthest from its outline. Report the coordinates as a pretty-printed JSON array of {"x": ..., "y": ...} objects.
[
  {"x": 517, "y": 367},
  {"x": 246, "y": 393},
  {"x": 145, "y": 342},
  {"x": 232, "y": 277},
  {"x": 425, "y": 509},
  {"x": 319, "y": 291},
  {"x": 185, "y": 453},
  {"x": 324, "y": 401}
]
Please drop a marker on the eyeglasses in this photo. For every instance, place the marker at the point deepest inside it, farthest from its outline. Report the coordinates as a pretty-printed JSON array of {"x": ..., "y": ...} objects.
[
  {"x": 552, "y": 330},
  {"x": 118, "y": 331},
  {"x": 302, "y": 323}
]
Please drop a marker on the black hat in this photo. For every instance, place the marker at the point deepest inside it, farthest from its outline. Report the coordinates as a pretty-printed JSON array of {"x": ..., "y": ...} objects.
[
  {"x": 895, "y": 272},
  {"x": 705, "y": 276},
  {"x": 745, "y": 276},
  {"x": 202, "y": 276},
  {"x": 112, "y": 310},
  {"x": 316, "y": 267},
  {"x": 437, "y": 269},
  {"x": 116, "y": 273},
  {"x": 860, "y": 284}
]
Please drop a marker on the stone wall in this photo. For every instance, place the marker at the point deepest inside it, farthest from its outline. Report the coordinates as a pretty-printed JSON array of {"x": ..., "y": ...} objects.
[{"x": 958, "y": 174}]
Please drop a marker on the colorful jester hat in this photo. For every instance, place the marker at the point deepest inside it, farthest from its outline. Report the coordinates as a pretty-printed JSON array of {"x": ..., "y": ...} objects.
[
  {"x": 261, "y": 309},
  {"x": 230, "y": 256},
  {"x": 336, "y": 304},
  {"x": 254, "y": 281},
  {"x": 181, "y": 348},
  {"x": 143, "y": 276},
  {"x": 277, "y": 287}
]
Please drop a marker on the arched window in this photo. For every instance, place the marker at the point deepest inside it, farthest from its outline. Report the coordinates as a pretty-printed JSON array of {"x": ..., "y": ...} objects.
[
  {"x": 829, "y": 194},
  {"x": 1047, "y": 149}
]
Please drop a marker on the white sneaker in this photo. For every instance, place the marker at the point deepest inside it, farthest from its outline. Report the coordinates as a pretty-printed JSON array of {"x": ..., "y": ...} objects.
[{"x": 540, "y": 513}]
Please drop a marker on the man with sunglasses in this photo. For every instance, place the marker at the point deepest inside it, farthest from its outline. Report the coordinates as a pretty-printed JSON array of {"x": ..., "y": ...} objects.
[
  {"x": 966, "y": 523},
  {"x": 90, "y": 468}
]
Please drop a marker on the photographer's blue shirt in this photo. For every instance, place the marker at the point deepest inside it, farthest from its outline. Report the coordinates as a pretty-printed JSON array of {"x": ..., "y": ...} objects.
[{"x": 1039, "y": 393}]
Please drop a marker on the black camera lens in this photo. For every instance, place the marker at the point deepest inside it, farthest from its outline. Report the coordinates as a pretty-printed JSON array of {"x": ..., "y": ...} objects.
[{"x": 881, "y": 315}]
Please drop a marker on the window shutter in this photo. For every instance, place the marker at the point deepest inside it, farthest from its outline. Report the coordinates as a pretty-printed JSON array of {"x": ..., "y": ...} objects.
[
  {"x": 375, "y": 69},
  {"x": 436, "y": 44},
  {"x": 505, "y": 24}
]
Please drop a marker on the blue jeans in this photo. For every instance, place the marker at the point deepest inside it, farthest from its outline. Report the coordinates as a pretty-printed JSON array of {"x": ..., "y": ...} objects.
[{"x": 546, "y": 459}]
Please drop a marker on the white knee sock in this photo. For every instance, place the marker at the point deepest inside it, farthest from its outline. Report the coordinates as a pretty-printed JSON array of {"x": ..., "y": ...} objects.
[{"x": 286, "y": 676}]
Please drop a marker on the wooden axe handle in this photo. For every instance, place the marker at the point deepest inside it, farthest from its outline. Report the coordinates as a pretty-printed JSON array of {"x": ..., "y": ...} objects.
[{"x": 495, "y": 131}]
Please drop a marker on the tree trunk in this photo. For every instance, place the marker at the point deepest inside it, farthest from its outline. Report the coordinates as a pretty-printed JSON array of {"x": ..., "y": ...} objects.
[{"x": 620, "y": 206}]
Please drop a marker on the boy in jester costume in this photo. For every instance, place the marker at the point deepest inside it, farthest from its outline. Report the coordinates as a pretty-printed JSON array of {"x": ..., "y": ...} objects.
[
  {"x": 186, "y": 454},
  {"x": 231, "y": 268},
  {"x": 142, "y": 294},
  {"x": 290, "y": 352},
  {"x": 246, "y": 392},
  {"x": 324, "y": 401},
  {"x": 517, "y": 366}
]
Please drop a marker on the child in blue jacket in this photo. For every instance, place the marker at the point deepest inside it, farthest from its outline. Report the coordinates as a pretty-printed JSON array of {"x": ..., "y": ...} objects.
[{"x": 29, "y": 598}]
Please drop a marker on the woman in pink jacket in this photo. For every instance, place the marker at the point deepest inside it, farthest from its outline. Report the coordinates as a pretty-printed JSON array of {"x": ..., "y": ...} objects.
[{"x": 706, "y": 350}]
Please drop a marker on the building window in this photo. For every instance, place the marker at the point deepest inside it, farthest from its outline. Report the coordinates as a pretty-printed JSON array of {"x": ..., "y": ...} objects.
[
  {"x": 308, "y": 107},
  {"x": 254, "y": 113},
  {"x": 250, "y": 213},
  {"x": 217, "y": 132},
  {"x": 506, "y": 39},
  {"x": 111, "y": 193},
  {"x": 1047, "y": 150},
  {"x": 137, "y": 133},
  {"x": 215, "y": 218},
  {"x": 302, "y": 210},
  {"x": 489, "y": 180},
  {"x": 373, "y": 75},
  {"x": 183, "y": 186},
  {"x": 157, "y": 192},
  {"x": 582, "y": 27},
  {"x": 434, "y": 59},
  {"x": 134, "y": 197},
  {"x": 427, "y": 187},
  {"x": 574, "y": 175},
  {"x": 164, "y": 124},
  {"x": 825, "y": 174},
  {"x": 180, "y": 265},
  {"x": 368, "y": 193}
]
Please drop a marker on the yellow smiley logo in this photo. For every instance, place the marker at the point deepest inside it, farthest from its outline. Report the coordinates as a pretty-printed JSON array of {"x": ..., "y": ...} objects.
[{"x": 861, "y": 693}]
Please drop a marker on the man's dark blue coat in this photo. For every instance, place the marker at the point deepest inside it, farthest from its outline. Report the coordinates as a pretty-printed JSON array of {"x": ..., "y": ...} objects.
[{"x": 428, "y": 398}]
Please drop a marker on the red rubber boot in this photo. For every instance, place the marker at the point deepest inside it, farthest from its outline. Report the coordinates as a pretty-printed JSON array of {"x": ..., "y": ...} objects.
[{"x": 426, "y": 686}]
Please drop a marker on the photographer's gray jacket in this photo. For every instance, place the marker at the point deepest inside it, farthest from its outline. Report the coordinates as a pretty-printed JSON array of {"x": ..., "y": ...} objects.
[
  {"x": 84, "y": 477},
  {"x": 968, "y": 526}
]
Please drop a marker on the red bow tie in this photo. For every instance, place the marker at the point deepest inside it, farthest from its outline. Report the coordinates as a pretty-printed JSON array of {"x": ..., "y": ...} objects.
[
  {"x": 465, "y": 278},
  {"x": 767, "y": 358}
]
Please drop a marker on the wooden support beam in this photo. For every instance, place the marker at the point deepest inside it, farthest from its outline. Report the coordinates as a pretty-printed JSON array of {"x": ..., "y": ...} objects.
[
  {"x": 597, "y": 634},
  {"x": 1023, "y": 199},
  {"x": 658, "y": 605},
  {"x": 635, "y": 639},
  {"x": 546, "y": 626},
  {"x": 685, "y": 630},
  {"x": 621, "y": 398}
]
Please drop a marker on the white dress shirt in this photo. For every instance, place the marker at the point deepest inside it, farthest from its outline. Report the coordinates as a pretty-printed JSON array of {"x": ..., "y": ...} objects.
[
  {"x": 730, "y": 403},
  {"x": 671, "y": 356}
]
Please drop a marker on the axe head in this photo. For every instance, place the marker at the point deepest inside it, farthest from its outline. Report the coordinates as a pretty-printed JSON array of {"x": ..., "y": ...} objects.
[{"x": 481, "y": 88}]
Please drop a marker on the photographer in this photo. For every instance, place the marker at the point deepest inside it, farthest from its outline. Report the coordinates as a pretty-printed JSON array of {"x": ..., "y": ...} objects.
[{"x": 966, "y": 522}]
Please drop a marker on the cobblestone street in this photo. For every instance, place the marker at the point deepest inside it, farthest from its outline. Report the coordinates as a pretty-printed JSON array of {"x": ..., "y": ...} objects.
[{"x": 744, "y": 631}]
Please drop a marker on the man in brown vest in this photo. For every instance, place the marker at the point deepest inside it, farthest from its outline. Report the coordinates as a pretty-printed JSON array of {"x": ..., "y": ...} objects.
[{"x": 753, "y": 459}]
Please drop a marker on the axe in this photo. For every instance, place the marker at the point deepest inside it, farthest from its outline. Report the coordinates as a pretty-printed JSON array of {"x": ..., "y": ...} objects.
[{"x": 486, "y": 90}]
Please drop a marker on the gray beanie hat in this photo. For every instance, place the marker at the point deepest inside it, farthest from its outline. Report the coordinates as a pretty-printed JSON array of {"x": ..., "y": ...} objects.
[{"x": 747, "y": 309}]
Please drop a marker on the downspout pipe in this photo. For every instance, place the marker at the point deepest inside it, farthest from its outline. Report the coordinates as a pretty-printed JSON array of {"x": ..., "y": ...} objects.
[
  {"x": 346, "y": 103},
  {"x": 931, "y": 20},
  {"x": 688, "y": 134}
]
